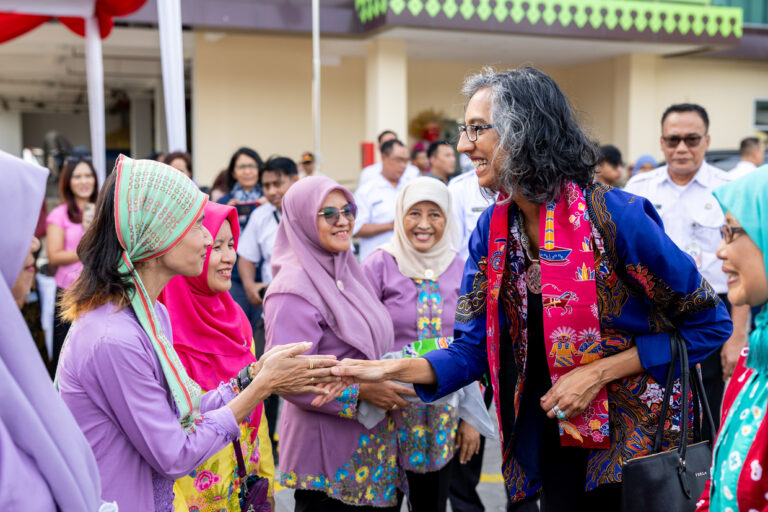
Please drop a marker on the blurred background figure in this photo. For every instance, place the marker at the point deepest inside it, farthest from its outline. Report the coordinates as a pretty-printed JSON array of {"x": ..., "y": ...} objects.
[
  {"x": 442, "y": 160},
  {"x": 220, "y": 187},
  {"x": 78, "y": 190},
  {"x": 308, "y": 165},
  {"x": 610, "y": 166},
  {"x": 181, "y": 161},
  {"x": 644, "y": 163},
  {"x": 419, "y": 158},
  {"x": 752, "y": 152}
]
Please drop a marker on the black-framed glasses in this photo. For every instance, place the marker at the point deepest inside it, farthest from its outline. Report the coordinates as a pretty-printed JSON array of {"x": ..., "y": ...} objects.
[
  {"x": 473, "y": 130},
  {"x": 332, "y": 214},
  {"x": 727, "y": 232},
  {"x": 691, "y": 140}
]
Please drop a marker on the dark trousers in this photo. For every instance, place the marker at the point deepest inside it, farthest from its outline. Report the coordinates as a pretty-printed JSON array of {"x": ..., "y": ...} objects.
[
  {"x": 464, "y": 480},
  {"x": 563, "y": 477},
  {"x": 318, "y": 501},
  {"x": 428, "y": 492},
  {"x": 60, "y": 330}
]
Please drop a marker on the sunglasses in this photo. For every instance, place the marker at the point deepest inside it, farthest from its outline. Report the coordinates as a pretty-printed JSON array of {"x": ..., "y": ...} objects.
[
  {"x": 727, "y": 232},
  {"x": 692, "y": 140},
  {"x": 332, "y": 214}
]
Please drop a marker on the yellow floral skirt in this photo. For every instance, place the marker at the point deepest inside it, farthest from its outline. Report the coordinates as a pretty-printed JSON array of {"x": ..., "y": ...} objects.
[{"x": 214, "y": 485}]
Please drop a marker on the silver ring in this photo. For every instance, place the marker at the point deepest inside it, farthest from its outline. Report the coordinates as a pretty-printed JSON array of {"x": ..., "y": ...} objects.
[
  {"x": 559, "y": 414},
  {"x": 311, "y": 379}
]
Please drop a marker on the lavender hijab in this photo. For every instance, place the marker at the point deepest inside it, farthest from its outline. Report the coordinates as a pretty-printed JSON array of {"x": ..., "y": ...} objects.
[
  {"x": 302, "y": 267},
  {"x": 39, "y": 423}
]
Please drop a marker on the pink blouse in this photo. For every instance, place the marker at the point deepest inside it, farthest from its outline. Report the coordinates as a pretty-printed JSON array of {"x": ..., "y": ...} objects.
[{"x": 67, "y": 274}]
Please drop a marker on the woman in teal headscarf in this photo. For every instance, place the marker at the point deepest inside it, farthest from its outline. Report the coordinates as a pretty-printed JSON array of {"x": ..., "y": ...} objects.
[{"x": 738, "y": 480}]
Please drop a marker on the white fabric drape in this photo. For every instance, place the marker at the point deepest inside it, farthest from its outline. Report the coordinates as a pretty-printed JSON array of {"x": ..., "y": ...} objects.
[
  {"x": 94, "y": 66},
  {"x": 172, "y": 58}
]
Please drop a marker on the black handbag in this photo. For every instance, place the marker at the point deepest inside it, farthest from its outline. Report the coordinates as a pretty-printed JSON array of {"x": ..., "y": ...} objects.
[{"x": 673, "y": 480}]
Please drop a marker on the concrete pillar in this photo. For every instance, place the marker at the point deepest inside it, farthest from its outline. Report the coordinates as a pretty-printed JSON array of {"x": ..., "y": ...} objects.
[
  {"x": 636, "y": 121},
  {"x": 161, "y": 137},
  {"x": 141, "y": 125},
  {"x": 10, "y": 132},
  {"x": 386, "y": 88}
]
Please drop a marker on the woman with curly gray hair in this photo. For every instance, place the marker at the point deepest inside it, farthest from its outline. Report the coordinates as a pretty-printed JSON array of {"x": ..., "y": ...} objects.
[{"x": 567, "y": 302}]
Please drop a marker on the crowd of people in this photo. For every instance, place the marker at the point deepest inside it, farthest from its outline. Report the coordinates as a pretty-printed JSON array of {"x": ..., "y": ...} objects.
[{"x": 209, "y": 346}]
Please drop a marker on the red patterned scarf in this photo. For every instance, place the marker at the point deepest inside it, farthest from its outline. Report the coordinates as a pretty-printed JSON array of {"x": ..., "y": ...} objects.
[{"x": 569, "y": 300}]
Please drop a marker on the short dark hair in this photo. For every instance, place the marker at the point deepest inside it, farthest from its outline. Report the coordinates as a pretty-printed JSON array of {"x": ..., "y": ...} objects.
[
  {"x": 679, "y": 108},
  {"x": 610, "y": 154},
  {"x": 748, "y": 145},
  {"x": 432, "y": 149},
  {"x": 65, "y": 189},
  {"x": 99, "y": 250},
  {"x": 541, "y": 145},
  {"x": 170, "y": 157},
  {"x": 416, "y": 151},
  {"x": 231, "y": 168},
  {"x": 387, "y": 147},
  {"x": 382, "y": 134},
  {"x": 280, "y": 165}
]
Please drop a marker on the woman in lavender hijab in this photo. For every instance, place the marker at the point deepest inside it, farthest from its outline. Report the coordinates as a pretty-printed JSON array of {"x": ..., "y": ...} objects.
[
  {"x": 320, "y": 294},
  {"x": 147, "y": 421},
  {"x": 45, "y": 462},
  {"x": 416, "y": 276}
]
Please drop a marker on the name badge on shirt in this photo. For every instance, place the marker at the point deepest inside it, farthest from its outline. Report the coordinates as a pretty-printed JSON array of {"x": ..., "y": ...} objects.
[
  {"x": 479, "y": 209},
  {"x": 694, "y": 251}
]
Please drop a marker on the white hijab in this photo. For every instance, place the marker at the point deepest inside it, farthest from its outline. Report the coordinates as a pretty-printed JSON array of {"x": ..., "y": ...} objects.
[{"x": 411, "y": 262}]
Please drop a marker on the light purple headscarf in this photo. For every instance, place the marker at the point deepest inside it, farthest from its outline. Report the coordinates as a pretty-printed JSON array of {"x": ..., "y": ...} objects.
[
  {"x": 302, "y": 267},
  {"x": 40, "y": 425}
]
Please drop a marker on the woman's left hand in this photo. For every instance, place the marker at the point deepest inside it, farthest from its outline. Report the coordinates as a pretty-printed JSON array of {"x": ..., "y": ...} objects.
[{"x": 574, "y": 391}]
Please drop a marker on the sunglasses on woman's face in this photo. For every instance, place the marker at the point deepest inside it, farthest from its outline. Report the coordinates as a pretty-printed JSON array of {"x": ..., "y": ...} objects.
[{"x": 332, "y": 214}]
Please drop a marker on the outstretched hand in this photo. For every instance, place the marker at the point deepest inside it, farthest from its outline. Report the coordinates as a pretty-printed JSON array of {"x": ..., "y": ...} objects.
[
  {"x": 359, "y": 370},
  {"x": 286, "y": 372}
]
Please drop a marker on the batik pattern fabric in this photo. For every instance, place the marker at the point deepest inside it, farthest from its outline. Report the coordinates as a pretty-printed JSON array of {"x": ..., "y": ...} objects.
[
  {"x": 633, "y": 309},
  {"x": 214, "y": 486},
  {"x": 371, "y": 476}
]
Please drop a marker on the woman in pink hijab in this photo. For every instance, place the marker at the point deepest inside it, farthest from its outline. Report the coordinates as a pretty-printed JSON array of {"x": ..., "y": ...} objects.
[{"x": 213, "y": 338}]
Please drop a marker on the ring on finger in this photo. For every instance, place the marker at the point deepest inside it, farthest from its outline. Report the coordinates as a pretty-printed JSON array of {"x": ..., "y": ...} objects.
[
  {"x": 394, "y": 406},
  {"x": 311, "y": 379},
  {"x": 559, "y": 414},
  {"x": 311, "y": 364}
]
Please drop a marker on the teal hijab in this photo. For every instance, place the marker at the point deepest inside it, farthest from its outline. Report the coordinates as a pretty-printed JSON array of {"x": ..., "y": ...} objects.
[{"x": 747, "y": 200}]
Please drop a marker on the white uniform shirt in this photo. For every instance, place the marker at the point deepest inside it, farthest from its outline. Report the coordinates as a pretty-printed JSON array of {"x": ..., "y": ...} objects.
[
  {"x": 376, "y": 205},
  {"x": 468, "y": 203},
  {"x": 373, "y": 170},
  {"x": 258, "y": 239},
  {"x": 742, "y": 169},
  {"x": 692, "y": 216}
]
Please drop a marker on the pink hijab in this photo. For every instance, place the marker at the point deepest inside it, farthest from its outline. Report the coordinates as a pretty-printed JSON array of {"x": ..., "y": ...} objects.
[
  {"x": 211, "y": 333},
  {"x": 302, "y": 267}
]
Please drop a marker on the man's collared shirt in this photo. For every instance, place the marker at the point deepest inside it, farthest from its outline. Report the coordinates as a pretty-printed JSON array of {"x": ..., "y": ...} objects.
[
  {"x": 258, "y": 239},
  {"x": 742, "y": 169},
  {"x": 468, "y": 203},
  {"x": 373, "y": 170},
  {"x": 692, "y": 216},
  {"x": 376, "y": 205}
]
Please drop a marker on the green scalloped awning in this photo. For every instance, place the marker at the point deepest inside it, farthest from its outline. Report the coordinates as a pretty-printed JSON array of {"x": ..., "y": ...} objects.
[{"x": 658, "y": 17}]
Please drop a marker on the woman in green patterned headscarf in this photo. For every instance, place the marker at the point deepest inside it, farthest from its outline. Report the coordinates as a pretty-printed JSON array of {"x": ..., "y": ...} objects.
[
  {"x": 740, "y": 459},
  {"x": 146, "y": 420}
]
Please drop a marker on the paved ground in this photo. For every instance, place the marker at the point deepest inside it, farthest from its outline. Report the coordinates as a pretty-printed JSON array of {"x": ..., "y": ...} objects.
[{"x": 491, "y": 487}]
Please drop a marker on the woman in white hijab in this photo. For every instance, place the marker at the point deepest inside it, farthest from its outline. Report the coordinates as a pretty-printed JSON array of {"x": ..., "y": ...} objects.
[{"x": 416, "y": 276}]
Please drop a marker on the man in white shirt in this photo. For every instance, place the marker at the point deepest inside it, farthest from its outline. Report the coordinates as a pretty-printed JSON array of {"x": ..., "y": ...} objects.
[
  {"x": 376, "y": 199},
  {"x": 369, "y": 172},
  {"x": 258, "y": 238},
  {"x": 681, "y": 192},
  {"x": 469, "y": 201},
  {"x": 442, "y": 160},
  {"x": 752, "y": 152}
]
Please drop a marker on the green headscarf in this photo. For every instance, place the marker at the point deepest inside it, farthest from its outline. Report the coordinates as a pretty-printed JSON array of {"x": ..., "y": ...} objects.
[
  {"x": 747, "y": 200},
  {"x": 155, "y": 207}
]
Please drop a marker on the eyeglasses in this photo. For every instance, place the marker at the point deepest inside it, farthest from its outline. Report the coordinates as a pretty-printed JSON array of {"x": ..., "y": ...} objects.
[
  {"x": 473, "y": 130},
  {"x": 727, "y": 232},
  {"x": 692, "y": 140},
  {"x": 331, "y": 213},
  {"x": 250, "y": 167}
]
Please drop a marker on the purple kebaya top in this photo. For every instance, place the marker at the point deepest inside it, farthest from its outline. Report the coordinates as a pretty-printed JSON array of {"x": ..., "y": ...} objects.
[
  {"x": 325, "y": 448},
  {"x": 111, "y": 379},
  {"x": 399, "y": 294}
]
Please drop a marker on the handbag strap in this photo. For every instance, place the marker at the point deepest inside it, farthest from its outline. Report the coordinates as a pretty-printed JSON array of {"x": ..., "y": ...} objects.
[
  {"x": 685, "y": 380},
  {"x": 240, "y": 461},
  {"x": 667, "y": 396},
  {"x": 698, "y": 389}
]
